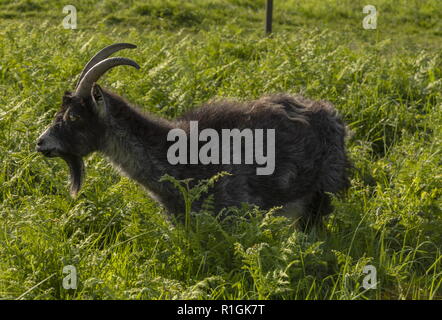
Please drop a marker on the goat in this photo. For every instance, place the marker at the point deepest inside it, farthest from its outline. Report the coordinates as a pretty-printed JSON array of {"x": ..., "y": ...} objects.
[{"x": 310, "y": 154}]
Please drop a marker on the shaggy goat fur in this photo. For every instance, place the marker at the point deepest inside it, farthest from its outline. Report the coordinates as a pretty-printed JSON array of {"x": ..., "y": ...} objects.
[
  {"x": 310, "y": 155},
  {"x": 310, "y": 152}
]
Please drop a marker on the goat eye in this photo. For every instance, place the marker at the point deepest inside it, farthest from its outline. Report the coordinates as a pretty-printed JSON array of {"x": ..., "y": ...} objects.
[{"x": 73, "y": 117}]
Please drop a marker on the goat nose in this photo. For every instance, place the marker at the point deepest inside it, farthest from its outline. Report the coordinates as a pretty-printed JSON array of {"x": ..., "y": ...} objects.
[{"x": 39, "y": 146}]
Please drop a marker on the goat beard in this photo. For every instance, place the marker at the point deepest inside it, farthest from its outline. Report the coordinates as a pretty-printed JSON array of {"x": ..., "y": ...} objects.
[{"x": 76, "y": 172}]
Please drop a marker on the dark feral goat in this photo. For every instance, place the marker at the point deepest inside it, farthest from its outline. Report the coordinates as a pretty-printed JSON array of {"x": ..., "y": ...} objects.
[{"x": 309, "y": 162}]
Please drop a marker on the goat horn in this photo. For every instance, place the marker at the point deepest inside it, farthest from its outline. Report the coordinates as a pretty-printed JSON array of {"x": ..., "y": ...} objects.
[
  {"x": 103, "y": 54},
  {"x": 85, "y": 85}
]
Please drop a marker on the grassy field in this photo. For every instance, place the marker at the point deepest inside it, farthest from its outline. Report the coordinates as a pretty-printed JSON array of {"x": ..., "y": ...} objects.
[{"x": 385, "y": 82}]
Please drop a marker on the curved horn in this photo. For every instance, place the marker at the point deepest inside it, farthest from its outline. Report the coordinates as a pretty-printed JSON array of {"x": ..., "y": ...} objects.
[
  {"x": 85, "y": 85},
  {"x": 103, "y": 54}
]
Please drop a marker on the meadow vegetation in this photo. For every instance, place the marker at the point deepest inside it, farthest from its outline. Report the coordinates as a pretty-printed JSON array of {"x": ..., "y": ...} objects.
[{"x": 386, "y": 83}]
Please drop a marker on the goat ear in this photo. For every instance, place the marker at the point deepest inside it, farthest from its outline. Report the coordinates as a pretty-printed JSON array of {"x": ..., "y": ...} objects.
[{"x": 99, "y": 99}]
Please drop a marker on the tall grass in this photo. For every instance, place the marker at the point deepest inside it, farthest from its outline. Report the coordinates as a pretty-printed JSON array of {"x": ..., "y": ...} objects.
[{"x": 385, "y": 82}]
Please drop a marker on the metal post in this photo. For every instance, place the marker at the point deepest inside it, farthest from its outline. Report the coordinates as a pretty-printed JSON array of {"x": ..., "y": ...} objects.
[{"x": 269, "y": 14}]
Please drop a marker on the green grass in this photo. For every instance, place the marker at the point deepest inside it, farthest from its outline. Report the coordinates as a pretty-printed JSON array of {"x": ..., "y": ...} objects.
[{"x": 386, "y": 83}]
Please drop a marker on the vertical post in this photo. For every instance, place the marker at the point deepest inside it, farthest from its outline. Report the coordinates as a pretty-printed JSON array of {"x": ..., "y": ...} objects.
[{"x": 269, "y": 14}]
